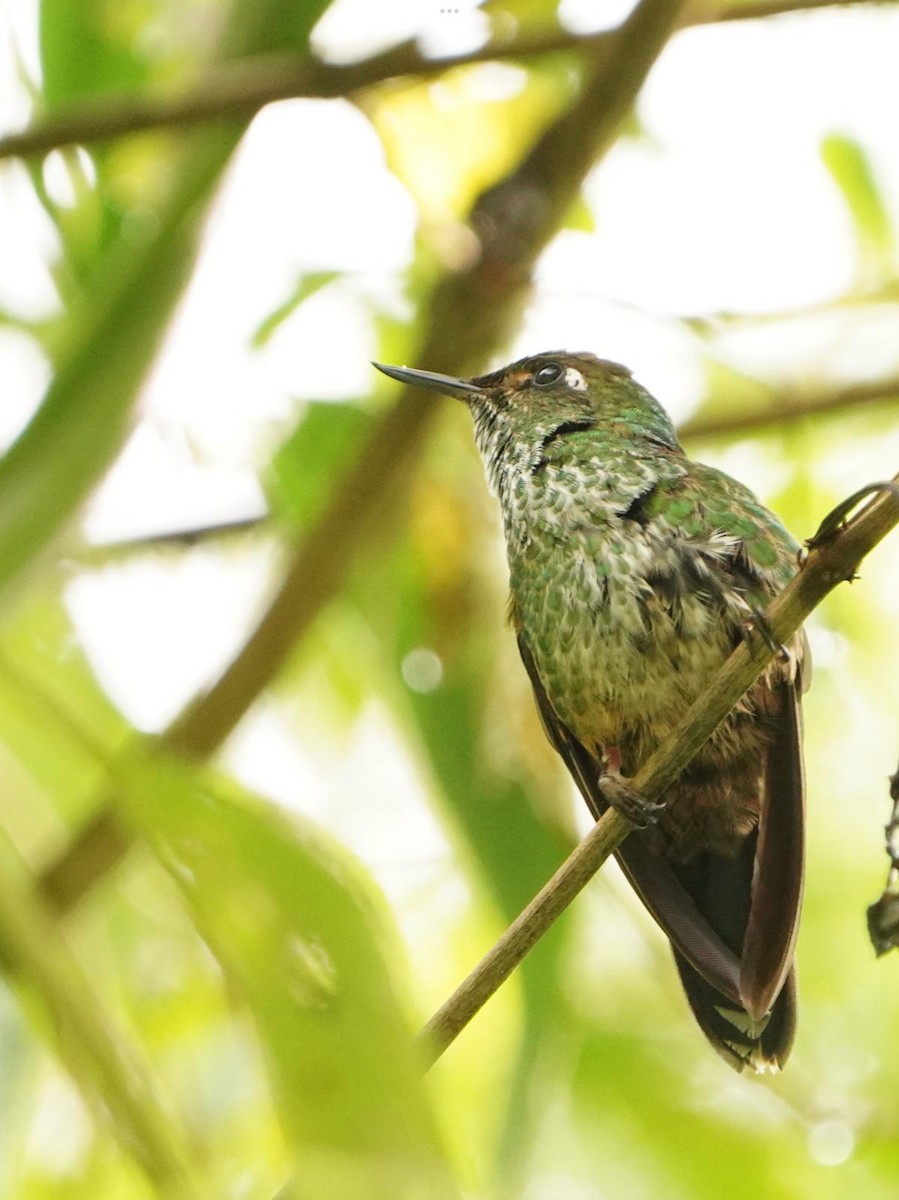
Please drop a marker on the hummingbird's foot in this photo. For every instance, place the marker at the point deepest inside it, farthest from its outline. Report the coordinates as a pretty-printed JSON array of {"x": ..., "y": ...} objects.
[
  {"x": 836, "y": 518},
  {"x": 759, "y": 622},
  {"x": 636, "y": 808}
]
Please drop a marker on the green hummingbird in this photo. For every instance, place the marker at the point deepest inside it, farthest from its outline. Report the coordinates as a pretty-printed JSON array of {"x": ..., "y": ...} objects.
[{"x": 634, "y": 572}]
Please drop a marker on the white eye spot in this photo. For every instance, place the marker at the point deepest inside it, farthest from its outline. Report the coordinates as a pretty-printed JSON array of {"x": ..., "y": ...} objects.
[{"x": 575, "y": 380}]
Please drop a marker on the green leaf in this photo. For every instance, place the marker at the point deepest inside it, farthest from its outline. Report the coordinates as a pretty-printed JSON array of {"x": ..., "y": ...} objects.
[
  {"x": 580, "y": 216},
  {"x": 42, "y": 668},
  {"x": 305, "y": 945},
  {"x": 303, "y": 942},
  {"x": 491, "y": 797},
  {"x": 305, "y": 465},
  {"x": 307, "y": 286},
  {"x": 853, "y": 173},
  {"x": 80, "y": 52},
  {"x": 83, "y": 1033}
]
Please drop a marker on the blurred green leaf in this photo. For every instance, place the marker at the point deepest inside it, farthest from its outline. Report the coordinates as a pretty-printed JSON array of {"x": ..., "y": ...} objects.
[
  {"x": 853, "y": 173},
  {"x": 305, "y": 943},
  {"x": 620, "y": 1074},
  {"x": 83, "y": 50},
  {"x": 307, "y": 462},
  {"x": 528, "y": 14},
  {"x": 727, "y": 389},
  {"x": 424, "y": 600},
  {"x": 302, "y": 941},
  {"x": 447, "y": 154},
  {"x": 307, "y": 286},
  {"x": 517, "y": 854},
  {"x": 42, "y": 669},
  {"x": 109, "y": 1071},
  {"x": 580, "y": 217}
]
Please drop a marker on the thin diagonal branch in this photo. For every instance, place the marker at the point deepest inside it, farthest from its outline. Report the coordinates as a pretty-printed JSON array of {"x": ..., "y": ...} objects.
[
  {"x": 789, "y": 406},
  {"x": 828, "y": 564},
  {"x": 514, "y": 220},
  {"x": 104, "y": 554},
  {"x": 242, "y": 89}
]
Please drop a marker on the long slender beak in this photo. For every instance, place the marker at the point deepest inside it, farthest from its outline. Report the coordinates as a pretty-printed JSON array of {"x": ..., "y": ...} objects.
[{"x": 449, "y": 385}]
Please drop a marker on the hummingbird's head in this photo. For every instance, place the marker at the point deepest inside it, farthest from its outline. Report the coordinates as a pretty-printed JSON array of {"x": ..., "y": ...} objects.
[{"x": 520, "y": 408}]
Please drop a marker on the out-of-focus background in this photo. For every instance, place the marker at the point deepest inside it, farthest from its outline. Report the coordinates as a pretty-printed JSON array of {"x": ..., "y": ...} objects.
[{"x": 271, "y": 780}]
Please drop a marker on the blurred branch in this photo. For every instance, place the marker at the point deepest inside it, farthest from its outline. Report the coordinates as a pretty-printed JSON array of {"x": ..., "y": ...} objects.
[
  {"x": 789, "y": 406},
  {"x": 834, "y": 557},
  {"x": 754, "y": 10},
  {"x": 105, "y": 1067},
  {"x": 102, "y": 554},
  {"x": 514, "y": 220},
  {"x": 707, "y": 325},
  {"x": 241, "y": 89}
]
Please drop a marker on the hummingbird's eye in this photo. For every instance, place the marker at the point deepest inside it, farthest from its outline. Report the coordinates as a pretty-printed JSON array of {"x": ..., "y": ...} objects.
[{"x": 547, "y": 375}]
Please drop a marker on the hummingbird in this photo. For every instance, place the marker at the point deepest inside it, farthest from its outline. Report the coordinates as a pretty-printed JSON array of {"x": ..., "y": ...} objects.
[{"x": 634, "y": 572}]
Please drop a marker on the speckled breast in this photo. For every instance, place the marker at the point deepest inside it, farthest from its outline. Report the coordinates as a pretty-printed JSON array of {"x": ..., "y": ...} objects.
[{"x": 611, "y": 648}]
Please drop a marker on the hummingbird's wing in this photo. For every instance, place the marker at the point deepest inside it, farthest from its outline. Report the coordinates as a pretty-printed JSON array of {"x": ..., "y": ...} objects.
[
  {"x": 652, "y": 877},
  {"x": 776, "y": 892},
  {"x": 742, "y": 994},
  {"x": 752, "y": 899}
]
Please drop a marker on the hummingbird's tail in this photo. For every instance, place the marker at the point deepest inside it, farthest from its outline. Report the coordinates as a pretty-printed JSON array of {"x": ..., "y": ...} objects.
[
  {"x": 722, "y": 887},
  {"x": 762, "y": 1045}
]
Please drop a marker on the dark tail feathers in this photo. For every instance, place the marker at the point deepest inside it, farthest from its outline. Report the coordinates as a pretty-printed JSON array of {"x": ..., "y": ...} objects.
[{"x": 763, "y": 1045}]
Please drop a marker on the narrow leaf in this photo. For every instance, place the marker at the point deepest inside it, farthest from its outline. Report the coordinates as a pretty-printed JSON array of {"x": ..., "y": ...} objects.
[
  {"x": 106, "y": 1068},
  {"x": 307, "y": 286},
  {"x": 853, "y": 173},
  {"x": 295, "y": 928}
]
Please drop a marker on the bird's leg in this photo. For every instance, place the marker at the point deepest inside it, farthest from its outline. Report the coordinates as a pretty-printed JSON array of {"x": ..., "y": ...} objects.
[
  {"x": 759, "y": 622},
  {"x": 636, "y": 808}
]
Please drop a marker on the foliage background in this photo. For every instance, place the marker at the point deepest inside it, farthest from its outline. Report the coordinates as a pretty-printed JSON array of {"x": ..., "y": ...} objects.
[{"x": 218, "y": 526}]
